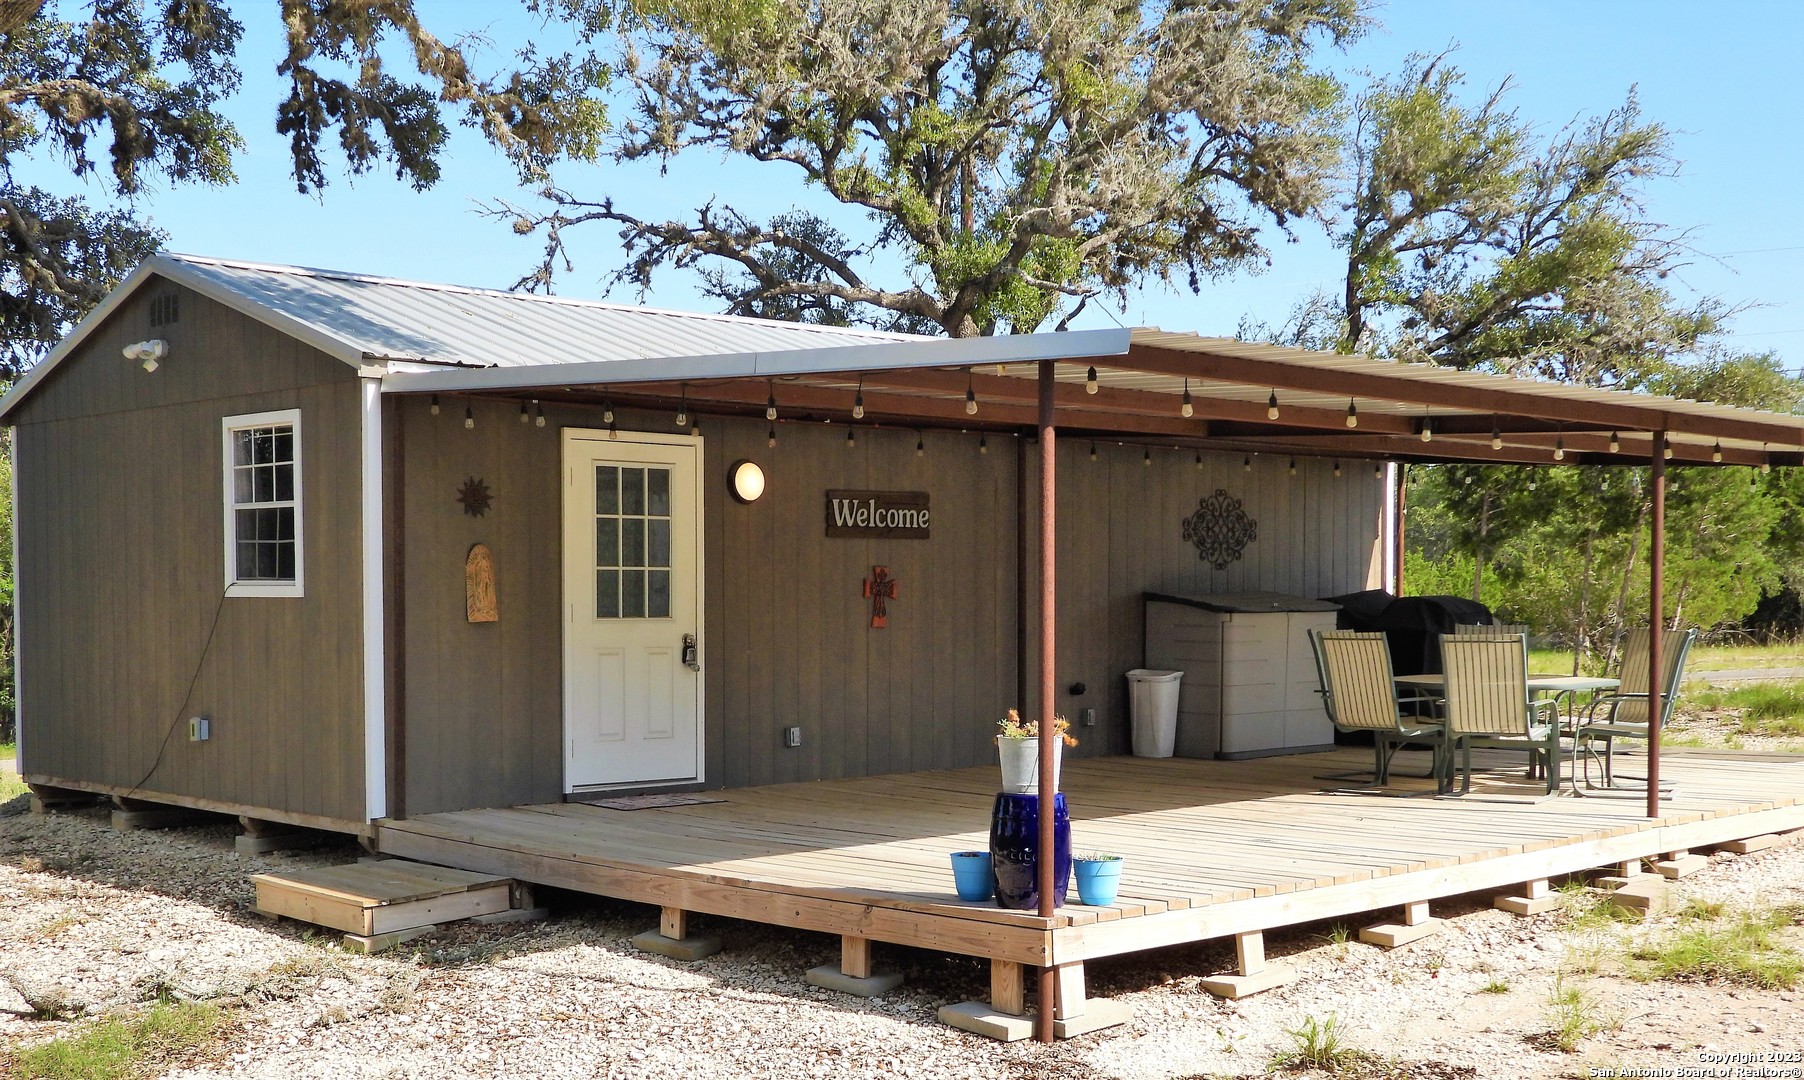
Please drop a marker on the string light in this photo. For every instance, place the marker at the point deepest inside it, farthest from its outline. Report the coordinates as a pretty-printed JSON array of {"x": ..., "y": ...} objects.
[
  {"x": 920, "y": 446},
  {"x": 538, "y": 419},
  {"x": 770, "y": 403},
  {"x": 1496, "y": 435},
  {"x": 1092, "y": 451},
  {"x": 1615, "y": 443},
  {"x": 1668, "y": 453},
  {"x": 607, "y": 413},
  {"x": 1246, "y": 464},
  {"x": 770, "y": 440},
  {"x": 1199, "y": 459},
  {"x": 983, "y": 444},
  {"x": 1271, "y": 406},
  {"x": 469, "y": 417},
  {"x": 971, "y": 394},
  {"x": 1377, "y": 470},
  {"x": 525, "y": 416},
  {"x": 695, "y": 429},
  {"x": 1090, "y": 381},
  {"x": 1531, "y": 481},
  {"x": 1186, "y": 410},
  {"x": 1147, "y": 459},
  {"x": 1559, "y": 449},
  {"x": 1427, "y": 429},
  {"x": 858, "y": 402},
  {"x": 613, "y": 432},
  {"x": 1337, "y": 469},
  {"x": 1468, "y": 479},
  {"x": 1352, "y": 414},
  {"x": 435, "y": 404},
  {"x": 851, "y": 436},
  {"x": 1716, "y": 452},
  {"x": 1293, "y": 466},
  {"x": 682, "y": 416}
]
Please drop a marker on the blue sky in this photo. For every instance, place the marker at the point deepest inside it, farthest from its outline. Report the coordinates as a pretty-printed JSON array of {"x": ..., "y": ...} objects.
[{"x": 1724, "y": 80}]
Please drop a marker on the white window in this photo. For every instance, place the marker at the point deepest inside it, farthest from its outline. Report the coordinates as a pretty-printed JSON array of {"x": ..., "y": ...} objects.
[{"x": 262, "y": 462}]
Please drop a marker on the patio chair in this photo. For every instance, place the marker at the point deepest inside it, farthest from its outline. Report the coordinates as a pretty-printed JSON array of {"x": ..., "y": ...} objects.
[
  {"x": 1360, "y": 694},
  {"x": 1488, "y": 704},
  {"x": 1622, "y": 713},
  {"x": 1483, "y": 629}
]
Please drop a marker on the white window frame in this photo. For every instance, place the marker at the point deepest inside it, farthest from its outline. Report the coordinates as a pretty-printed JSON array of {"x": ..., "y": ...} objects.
[{"x": 230, "y": 426}]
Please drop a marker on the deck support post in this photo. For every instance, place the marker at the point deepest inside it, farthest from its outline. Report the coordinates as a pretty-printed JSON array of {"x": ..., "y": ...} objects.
[
  {"x": 264, "y": 836},
  {"x": 1252, "y": 974},
  {"x": 1620, "y": 874},
  {"x": 1656, "y": 621},
  {"x": 129, "y": 814},
  {"x": 672, "y": 938},
  {"x": 1074, "y": 1015},
  {"x": 856, "y": 974},
  {"x": 1002, "y": 1017},
  {"x": 1535, "y": 897},
  {"x": 1416, "y": 925},
  {"x": 1049, "y": 640}
]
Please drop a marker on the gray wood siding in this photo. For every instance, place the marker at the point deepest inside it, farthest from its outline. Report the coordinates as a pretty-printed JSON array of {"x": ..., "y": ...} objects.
[
  {"x": 786, "y": 637},
  {"x": 1120, "y": 535},
  {"x": 120, "y": 573}
]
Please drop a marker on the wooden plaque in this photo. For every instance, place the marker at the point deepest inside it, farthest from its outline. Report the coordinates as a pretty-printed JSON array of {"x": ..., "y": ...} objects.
[
  {"x": 479, "y": 585},
  {"x": 893, "y": 515}
]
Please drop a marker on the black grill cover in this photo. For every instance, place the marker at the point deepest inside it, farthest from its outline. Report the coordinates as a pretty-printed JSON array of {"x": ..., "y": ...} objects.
[{"x": 1412, "y": 624}]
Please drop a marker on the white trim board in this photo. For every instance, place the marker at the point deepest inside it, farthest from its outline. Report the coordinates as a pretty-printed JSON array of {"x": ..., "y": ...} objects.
[{"x": 375, "y": 653}]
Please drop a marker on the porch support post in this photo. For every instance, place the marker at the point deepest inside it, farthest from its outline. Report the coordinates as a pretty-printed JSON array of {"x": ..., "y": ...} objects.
[
  {"x": 1047, "y": 788},
  {"x": 1656, "y": 628}
]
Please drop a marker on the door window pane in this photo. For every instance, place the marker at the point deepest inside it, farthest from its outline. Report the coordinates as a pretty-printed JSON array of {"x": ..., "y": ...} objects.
[{"x": 632, "y": 534}]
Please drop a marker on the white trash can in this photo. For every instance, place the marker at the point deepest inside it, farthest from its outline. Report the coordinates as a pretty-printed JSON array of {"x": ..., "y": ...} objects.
[{"x": 1153, "y": 705}]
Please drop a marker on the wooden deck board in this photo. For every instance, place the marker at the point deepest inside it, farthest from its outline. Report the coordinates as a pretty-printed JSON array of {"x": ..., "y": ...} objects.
[{"x": 1211, "y": 847}]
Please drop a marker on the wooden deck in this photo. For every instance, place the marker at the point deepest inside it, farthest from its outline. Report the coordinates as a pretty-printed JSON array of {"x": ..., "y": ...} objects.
[{"x": 1212, "y": 848}]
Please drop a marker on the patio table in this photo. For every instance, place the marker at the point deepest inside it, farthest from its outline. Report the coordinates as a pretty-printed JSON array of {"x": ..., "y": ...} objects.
[{"x": 1560, "y": 686}]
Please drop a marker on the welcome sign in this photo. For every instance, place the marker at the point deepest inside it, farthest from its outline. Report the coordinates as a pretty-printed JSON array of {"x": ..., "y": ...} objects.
[{"x": 893, "y": 515}]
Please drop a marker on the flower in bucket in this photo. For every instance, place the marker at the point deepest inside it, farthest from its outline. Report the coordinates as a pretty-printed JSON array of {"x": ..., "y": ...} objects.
[{"x": 1013, "y": 727}]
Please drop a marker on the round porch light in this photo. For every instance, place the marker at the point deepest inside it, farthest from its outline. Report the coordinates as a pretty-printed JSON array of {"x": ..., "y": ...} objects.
[{"x": 748, "y": 481}]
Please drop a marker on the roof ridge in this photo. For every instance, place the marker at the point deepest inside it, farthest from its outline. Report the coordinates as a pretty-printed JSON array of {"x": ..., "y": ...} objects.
[{"x": 506, "y": 294}]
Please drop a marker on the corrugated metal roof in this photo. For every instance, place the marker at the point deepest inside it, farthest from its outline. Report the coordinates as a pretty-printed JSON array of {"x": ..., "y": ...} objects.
[{"x": 389, "y": 319}]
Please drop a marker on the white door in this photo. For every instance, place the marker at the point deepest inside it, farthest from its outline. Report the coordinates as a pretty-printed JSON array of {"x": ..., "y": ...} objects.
[{"x": 632, "y": 609}]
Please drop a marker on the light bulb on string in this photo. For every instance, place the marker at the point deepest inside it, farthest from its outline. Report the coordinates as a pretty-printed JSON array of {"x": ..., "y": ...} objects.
[
  {"x": 538, "y": 419},
  {"x": 1246, "y": 464},
  {"x": 1352, "y": 414},
  {"x": 1090, "y": 380},
  {"x": 1186, "y": 410},
  {"x": 607, "y": 413},
  {"x": 613, "y": 432},
  {"x": 1271, "y": 406},
  {"x": 1337, "y": 469},
  {"x": 435, "y": 404},
  {"x": 770, "y": 439},
  {"x": 983, "y": 444},
  {"x": 970, "y": 395},
  {"x": 1615, "y": 443},
  {"x": 1668, "y": 453},
  {"x": 469, "y": 418},
  {"x": 851, "y": 436},
  {"x": 1199, "y": 459},
  {"x": 858, "y": 401},
  {"x": 1716, "y": 452},
  {"x": 1092, "y": 451},
  {"x": 1496, "y": 435},
  {"x": 920, "y": 446},
  {"x": 1427, "y": 429},
  {"x": 525, "y": 415},
  {"x": 1559, "y": 449},
  {"x": 1293, "y": 466},
  {"x": 770, "y": 403},
  {"x": 1147, "y": 458}
]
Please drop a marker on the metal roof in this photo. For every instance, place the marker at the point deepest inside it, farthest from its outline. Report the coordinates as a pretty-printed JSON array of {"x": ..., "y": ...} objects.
[{"x": 364, "y": 320}]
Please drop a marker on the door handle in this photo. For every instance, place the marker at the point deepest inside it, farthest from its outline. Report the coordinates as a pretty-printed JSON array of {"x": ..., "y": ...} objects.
[{"x": 691, "y": 654}]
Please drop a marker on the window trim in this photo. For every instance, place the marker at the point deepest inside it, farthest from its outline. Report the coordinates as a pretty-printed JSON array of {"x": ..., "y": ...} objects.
[{"x": 229, "y": 426}]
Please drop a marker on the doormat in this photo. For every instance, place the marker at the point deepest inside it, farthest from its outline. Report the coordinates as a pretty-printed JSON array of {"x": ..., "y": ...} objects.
[{"x": 649, "y": 802}]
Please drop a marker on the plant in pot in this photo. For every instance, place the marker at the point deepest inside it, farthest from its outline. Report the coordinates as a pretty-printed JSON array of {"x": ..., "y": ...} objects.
[
  {"x": 1018, "y": 744},
  {"x": 1098, "y": 876}
]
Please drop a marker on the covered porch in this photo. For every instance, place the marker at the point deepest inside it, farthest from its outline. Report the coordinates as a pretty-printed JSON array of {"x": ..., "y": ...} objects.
[{"x": 1214, "y": 849}]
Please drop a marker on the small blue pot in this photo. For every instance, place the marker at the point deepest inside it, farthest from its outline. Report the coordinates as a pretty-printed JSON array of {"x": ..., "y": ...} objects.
[
  {"x": 972, "y": 875},
  {"x": 1097, "y": 880}
]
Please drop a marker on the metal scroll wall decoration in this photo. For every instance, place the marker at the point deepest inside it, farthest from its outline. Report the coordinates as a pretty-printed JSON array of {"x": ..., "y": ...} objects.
[{"x": 1220, "y": 528}]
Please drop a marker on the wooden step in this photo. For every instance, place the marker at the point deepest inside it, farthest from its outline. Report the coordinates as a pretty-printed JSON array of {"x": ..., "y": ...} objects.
[{"x": 377, "y": 898}]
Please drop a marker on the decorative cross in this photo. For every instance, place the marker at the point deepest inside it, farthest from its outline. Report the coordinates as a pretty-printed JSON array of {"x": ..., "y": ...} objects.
[{"x": 881, "y": 588}]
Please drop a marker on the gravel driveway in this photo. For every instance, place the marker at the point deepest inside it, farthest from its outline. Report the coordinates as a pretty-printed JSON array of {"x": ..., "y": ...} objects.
[{"x": 107, "y": 920}]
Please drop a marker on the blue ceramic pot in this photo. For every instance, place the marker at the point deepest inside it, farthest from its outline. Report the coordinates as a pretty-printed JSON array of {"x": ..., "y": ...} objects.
[
  {"x": 1014, "y": 838},
  {"x": 1098, "y": 880},
  {"x": 972, "y": 876}
]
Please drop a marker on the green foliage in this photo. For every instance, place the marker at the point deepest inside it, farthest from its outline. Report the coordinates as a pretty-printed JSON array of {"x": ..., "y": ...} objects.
[
  {"x": 124, "y": 1047},
  {"x": 1744, "y": 948},
  {"x": 1315, "y": 1044},
  {"x": 1774, "y": 709},
  {"x": 1016, "y": 158},
  {"x": 1495, "y": 986},
  {"x": 125, "y": 97},
  {"x": 1572, "y": 1016}
]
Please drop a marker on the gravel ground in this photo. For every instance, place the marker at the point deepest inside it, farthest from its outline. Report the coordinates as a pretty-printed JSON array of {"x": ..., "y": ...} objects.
[{"x": 104, "y": 920}]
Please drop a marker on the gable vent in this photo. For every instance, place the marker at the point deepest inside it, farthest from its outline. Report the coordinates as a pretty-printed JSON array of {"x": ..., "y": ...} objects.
[{"x": 164, "y": 309}]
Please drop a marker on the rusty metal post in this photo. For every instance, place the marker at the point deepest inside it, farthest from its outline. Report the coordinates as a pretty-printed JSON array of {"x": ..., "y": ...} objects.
[
  {"x": 1047, "y": 791},
  {"x": 1656, "y": 623}
]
